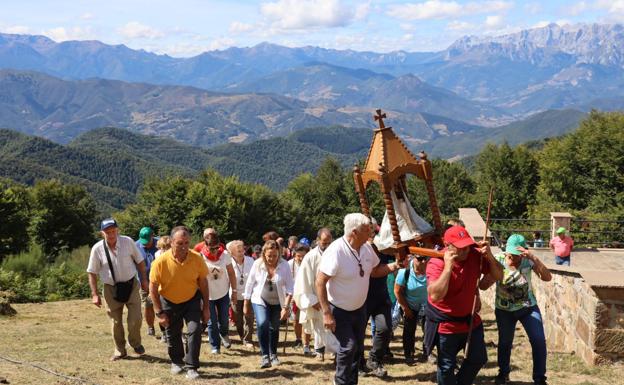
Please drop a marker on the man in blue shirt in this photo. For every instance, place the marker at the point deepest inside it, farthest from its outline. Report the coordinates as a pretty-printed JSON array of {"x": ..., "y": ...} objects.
[
  {"x": 147, "y": 246},
  {"x": 410, "y": 289}
]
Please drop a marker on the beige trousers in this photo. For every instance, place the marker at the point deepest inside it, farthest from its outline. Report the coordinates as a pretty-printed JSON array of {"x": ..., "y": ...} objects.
[{"x": 114, "y": 310}]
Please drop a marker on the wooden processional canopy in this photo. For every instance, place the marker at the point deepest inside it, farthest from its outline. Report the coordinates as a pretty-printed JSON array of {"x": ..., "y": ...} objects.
[{"x": 388, "y": 163}]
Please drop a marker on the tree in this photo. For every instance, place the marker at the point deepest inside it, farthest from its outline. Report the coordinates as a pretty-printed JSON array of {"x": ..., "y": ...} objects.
[
  {"x": 14, "y": 211},
  {"x": 513, "y": 172},
  {"x": 584, "y": 171},
  {"x": 63, "y": 217}
]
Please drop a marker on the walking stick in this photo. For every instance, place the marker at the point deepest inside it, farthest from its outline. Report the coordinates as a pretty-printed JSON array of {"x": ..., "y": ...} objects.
[
  {"x": 476, "y": 294},
  {"x": 286, "y": 335}
]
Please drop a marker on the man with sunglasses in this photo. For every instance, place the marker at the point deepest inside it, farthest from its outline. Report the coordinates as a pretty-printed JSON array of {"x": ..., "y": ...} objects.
[{"x": 452, "y": 289}]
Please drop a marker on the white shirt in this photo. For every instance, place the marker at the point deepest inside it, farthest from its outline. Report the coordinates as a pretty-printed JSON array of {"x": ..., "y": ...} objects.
[
  {"x": 294, "y": 268},
  {"x": 258, "y": 276},
  {"x": 124, "y": 257},
  {"x": 218, "y": 279},
  {"x": 244, "y": 271},
  {"x": 346, "y": 289}
]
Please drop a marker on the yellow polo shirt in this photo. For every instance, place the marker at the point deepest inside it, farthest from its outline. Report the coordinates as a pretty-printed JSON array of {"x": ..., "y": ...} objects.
[{"x": 177, "y": 282}]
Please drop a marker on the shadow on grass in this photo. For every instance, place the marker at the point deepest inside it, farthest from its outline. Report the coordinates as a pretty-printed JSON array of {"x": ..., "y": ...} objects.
[
  {"x": 273, "y": 373},
  {"x": 320, "y": 366},
  {"x": 149, "y": 358}
]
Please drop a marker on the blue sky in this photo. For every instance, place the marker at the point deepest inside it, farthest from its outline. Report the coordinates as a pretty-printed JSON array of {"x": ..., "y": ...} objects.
[{"x": 188, "y": 27}]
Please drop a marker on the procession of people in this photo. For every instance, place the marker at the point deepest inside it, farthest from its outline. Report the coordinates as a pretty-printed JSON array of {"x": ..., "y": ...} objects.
[{"x": 326, "y": 292}]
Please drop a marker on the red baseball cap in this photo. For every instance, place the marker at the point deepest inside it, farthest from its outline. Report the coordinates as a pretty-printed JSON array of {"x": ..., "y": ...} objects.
[{"x": 458, "y": 237}]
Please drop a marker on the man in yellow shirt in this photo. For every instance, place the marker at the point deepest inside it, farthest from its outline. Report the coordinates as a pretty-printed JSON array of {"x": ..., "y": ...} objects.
[{"x": 179, "y": 291}]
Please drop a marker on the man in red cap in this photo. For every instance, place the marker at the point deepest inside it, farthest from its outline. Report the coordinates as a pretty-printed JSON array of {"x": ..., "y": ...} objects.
[{"x": 451, "y": 290}]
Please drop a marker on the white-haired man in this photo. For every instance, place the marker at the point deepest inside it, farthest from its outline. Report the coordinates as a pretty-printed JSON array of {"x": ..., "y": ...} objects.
[{"x": 342, "y": 284}]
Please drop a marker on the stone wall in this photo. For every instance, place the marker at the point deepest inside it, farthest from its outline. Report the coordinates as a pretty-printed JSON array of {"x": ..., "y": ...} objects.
[{"x": 578, "y": 317}]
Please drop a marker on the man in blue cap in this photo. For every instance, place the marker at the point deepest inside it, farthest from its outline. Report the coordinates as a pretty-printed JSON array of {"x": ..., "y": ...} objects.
[
  {"x": 147, "y": 246},
  {"x": 515, "y": 302},
  {"x": 117, "y": 260}
]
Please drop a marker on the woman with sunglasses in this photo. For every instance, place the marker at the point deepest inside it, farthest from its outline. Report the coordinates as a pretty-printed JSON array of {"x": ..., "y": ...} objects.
[
  {"x": 410, "y": 289},
  {"x": 269, "y": 290}
]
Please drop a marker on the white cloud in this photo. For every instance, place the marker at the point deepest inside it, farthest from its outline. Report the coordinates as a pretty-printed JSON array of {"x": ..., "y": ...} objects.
[
  {"x": 305, "y": 14},
  {"x": 237, "y": 27},
  {"x": 73, "y": 33},
  {"x": 87, "y": 16},
  {"x": 436, "y": 9},
  {"x": 460, "y": 26},
  {"x": 16, "y": 29},
  {"x": 221, "y": 43},
  {"x": 533, "y": 8},
  {"x": 541, "y": 24},
  {"x": 136, "y": 30},
  {"x": 362, "y": 10},
  {"x": 494, "y": 22}
]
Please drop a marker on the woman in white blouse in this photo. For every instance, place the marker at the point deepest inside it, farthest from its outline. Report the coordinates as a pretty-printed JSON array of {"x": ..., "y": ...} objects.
[{"x": 269, "y": 290}]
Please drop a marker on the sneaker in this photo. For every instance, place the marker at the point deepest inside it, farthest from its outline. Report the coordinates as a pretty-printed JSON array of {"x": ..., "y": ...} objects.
[
  {"x": 249, "y": 345},
  {"x": 501, "y": 379},
  {"x": 376, "y": 369},
  {"x": 215, "y": 351},
  {"x": 175, "y": 368},
  {"x": 274, "y": 360},
  {"x": 117, "y": 356},
  {"x": 139, "y": 350},
  {"x": 307, "y": 351},
  {"x": 226, "y": 341},
  {"x": 265, "y": 362},
  {"x": 298, "y": 344},
  {"x": 151, "y": 331},
  {"x": 192, "y": 374}
]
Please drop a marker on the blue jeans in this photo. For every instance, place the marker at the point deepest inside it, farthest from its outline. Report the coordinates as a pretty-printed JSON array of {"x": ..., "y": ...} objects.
[
  {"x": 531, "y": 320},
  {"x": 448, "y": 347},
  {"x": 218, "y": 322},
  {"x": 267, "y": 322},
  {"x": 350, "y": 332},
  {"x": 562, "y": 260}
]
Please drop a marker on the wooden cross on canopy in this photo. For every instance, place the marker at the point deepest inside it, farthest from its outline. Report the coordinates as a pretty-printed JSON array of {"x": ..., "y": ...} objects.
[
  {"x": 380, "y": 117},
  {"x": 388, "y": 162}
]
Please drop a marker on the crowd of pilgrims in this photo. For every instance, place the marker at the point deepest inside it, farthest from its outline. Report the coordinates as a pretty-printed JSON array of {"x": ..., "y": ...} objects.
[{"x": 257, "y": 288}]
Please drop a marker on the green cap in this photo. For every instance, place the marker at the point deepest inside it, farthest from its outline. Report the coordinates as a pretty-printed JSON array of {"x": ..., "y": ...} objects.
[
  {"x": 145, "y": 235},
  {"x": 513, "y": 242},
  {"x": 561, "y": 230}
]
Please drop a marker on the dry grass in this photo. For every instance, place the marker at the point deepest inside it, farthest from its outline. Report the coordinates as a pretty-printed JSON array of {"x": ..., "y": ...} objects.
[{"x": 73, "y": 338}]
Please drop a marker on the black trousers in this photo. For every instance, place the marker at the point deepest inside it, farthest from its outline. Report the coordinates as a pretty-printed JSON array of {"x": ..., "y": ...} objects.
[
  {"x": 179, "y": 313},
  {"x": 350, "y": 332},
  {"x": 382, "y": 314},
  {"x": 409, "y": 331}
]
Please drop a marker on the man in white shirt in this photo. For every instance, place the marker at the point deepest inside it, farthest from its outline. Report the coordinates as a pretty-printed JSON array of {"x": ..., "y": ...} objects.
[
  {"x": 310, "y": 315},
  {"x": 242, "y": 267},
  {"x": 342, "y": 286},
  {"x": 126, "y": 260}
]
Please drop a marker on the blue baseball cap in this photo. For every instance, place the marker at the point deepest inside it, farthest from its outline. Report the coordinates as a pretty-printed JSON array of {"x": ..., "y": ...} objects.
[
  {"x": 305, "y": 241},
  {"x": 106, "y": 223}
]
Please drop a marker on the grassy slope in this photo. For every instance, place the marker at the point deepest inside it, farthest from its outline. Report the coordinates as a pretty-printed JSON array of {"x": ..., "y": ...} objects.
[{"x": 73, "y": 338}]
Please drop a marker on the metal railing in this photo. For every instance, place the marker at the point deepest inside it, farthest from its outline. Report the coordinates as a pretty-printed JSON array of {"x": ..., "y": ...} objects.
[{"x": 589, "y": 233}]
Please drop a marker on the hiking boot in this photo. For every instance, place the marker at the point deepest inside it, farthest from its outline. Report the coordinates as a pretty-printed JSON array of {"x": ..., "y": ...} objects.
[
  {"x": 376, "y": 369},
  {"x": 409, "y": 359},
  {"x": 265, "y": 362},
  {"x": 274, "y": 360},
  {"x": 192, "y": 374},
  {"x": 140, "y": 350},
  {"x": 175, "y": 368},
  {"x": 151, "y": 331},
  {"x": 226, "y": 341},
  {"x": 501, "y": 379}
]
